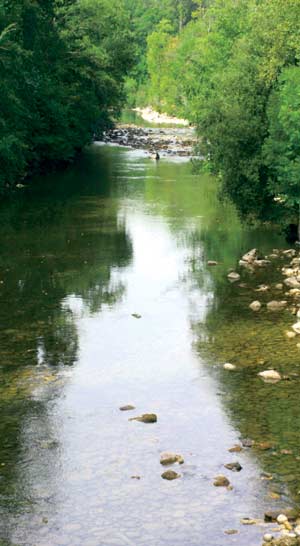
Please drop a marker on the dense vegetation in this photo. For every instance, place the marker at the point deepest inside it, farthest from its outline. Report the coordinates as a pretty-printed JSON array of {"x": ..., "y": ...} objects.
[
  {"x": 62, "y": 65},
  {"x": 232, "y": 69}
]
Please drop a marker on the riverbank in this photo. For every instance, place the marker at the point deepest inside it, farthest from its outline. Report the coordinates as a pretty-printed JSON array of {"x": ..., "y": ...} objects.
[{"x": 150, "y": 115}]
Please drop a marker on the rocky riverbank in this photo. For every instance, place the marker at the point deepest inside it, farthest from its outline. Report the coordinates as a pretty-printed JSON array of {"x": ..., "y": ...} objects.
[
  {"x": 150, "y": 115},
  {"x": 169, "y": 141}
]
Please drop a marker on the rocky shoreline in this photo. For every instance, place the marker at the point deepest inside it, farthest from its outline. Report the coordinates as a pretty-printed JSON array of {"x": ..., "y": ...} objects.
[{"x": 169, "y": 141}]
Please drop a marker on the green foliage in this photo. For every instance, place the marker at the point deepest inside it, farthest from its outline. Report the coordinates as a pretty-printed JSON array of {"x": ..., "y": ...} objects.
[
  {"x": 223, "y": 72},
  {"x": 62, "y": 66},
  {"x": 282, "y": 147}
]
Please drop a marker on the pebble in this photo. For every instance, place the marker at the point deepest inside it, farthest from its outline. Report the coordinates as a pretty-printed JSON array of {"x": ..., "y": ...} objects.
[
  {"x": 221, "y": 481},
  {"x": 268, "y": 537},
  {"x": 235, "y": 449},
  {"x": 233, "y": 276},
  {"x": 248, "y": 521},
  {"x": 171, "y": 458},
  {"x": 255, "y": 305},
  {"x": 235, "y": 467},
  {"x": 271, "y": 375},
  {"x": 229, "y": 367},
  {"x": 145, "y": 418},
  {"x": 281, "y": 518},
  {"x": 170, "y": 475}
]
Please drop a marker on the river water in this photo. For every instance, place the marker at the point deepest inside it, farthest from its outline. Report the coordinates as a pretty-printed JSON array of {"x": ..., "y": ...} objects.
[{"x": 116, "y": 235}]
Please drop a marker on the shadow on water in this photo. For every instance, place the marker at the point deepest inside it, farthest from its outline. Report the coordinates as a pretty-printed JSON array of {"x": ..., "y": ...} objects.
[{"x": 55, "y": 248}]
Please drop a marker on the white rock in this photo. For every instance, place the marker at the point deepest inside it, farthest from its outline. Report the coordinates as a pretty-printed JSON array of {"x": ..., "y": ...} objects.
[
  {"x": 281, "y": 518},
  {"x": 276, "y": 305},
  {"x": 289, "y": 253},
  {"x": 255, "y": 305},
  {"x": 268, "y": 537},
  {"x": 296, "y": 327},
  {"x": 290, "y": 335},
  {"x": 250, "y": 256},
  {"x": 297, "y": 530},
  {"x": 233, "y": 276},
  {"x": 228, "y": 366},
  {"x": 270, "y": 375},
  {"x": 291, "y": 282}
]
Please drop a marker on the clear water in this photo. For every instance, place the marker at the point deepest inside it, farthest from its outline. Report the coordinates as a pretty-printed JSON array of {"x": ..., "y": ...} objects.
[{"x": 114, "y": 235}]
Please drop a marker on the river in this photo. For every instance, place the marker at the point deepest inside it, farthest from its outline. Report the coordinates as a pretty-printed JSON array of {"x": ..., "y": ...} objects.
[{"x": 82, "y": 252}]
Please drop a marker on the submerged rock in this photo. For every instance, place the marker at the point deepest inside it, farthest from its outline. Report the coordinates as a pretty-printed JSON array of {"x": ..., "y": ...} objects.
[
  {"x": 270, "y": 375},
  {"x": 235, "y": 449},
  {"x": 247, "y": 442},
  {"x": 145, "y": 418},
  {"x": 171, "y": 458},
  {"x": 170, "y": 475},
  {"x": 235, "y": 467},
  {"x": 129, "y": 407},
  {"x": 221, "y": 481},
  {"x": 276, "y": 305},
  {"x": 212, "y": 262},
  {"x": 229, "y": 367},
  {"x": 296, "y": 327},
  {"x": 255, "y": 305},
  {"x": 233, "y": 276}
]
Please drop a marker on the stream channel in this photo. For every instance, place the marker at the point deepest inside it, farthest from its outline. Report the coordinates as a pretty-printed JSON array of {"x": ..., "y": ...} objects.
[{"x": 83, "y": 251}]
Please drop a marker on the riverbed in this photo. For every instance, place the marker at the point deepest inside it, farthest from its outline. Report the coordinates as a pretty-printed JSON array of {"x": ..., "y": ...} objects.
[{"x": 107, "y": 300}]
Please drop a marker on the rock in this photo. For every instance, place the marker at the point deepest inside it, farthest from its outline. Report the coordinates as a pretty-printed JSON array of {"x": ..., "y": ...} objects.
[
  {"x": 297, "y": 530},
  {"x": 255, "y": 305},
  {"x": 248, "y": 521},
  {"x": 290, "y": 335},
  {"x": 229, "y": 367},
  {"x": 129, "y": 407},
  {"x": 290, "y": 253},
  {"x": 145, "y": 418},
  {"x": 264, "y": 446},
  {"x": 231, "y": 532},
  {"x": 136, "y": 315},
  {"x": 266, "y": 476},
  {"x": 250, "y": 256},
  {"x": 261, "y": 263},
  {"x": 221, "y": 481},
  {"x": 171, "y": 458},
  {"x": 262, "y": 288},
  {"x": 170, "y": 475},
  {"x": 292, "y": 282},
  {"x": 281, "y": 518},
  {"x": 135, "y": 477},
  {"x": 279, "y": 286},
  {"x": 235, "y": 449},
  {"x": 235, "y": 467},
  {"x": 294, "y": 292},
  {"x": 270, "y": 375},
  {"x": 212, "y": 262},
  {"x": 247, "y": 442},
  {"x": 268, "y": 537},
  {"x": 296, "y": 327},
  {"x": 233, "y": 276},
  {"x": 276, "y": 305}
]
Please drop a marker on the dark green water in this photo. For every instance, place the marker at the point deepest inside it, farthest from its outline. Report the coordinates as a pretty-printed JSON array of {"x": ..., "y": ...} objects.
[{"x": 118, "y": 234}]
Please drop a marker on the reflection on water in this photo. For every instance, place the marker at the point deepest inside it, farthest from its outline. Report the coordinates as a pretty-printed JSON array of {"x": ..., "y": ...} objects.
[{"x": 113, "y": 236}]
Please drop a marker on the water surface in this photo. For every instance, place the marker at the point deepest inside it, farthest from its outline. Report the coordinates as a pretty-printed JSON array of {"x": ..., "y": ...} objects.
[{"x": 115, "y": 235}]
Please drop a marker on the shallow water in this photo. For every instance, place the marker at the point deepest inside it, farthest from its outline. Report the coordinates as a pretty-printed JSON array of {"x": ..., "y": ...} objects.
[{"x": 115, "y": 235}]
